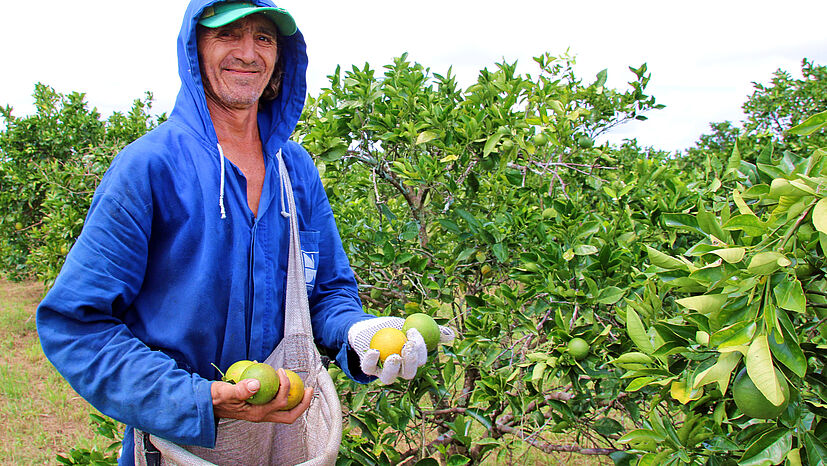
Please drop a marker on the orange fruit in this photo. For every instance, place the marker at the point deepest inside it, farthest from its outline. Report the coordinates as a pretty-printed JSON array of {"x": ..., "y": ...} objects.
[
  {"x": 752, "y": 402},
  {"x": 426, "y": 326},
  {"x": 233, "y": 374},
  {"x": 296, "y": 393},
  {"x": 578, "y": 348},
  {"x": 268, "y": 379},
  {"x": 388, "y": 341}
]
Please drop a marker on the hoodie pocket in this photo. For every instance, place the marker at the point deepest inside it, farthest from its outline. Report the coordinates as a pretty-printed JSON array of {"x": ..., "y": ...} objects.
[{"x": 310, "y": 257}]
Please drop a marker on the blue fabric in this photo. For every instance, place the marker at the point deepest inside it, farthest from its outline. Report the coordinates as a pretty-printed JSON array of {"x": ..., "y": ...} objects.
[{"x": 158, "y": 286}]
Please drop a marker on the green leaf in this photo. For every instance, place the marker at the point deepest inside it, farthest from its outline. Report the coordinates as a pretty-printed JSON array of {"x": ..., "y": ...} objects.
[
  {"x": 637, "y": 332},
  {"x": 610, "y": 295},
  {"x": 491, "y": 143},
  {"x": 761, "y": 370},
  {"x": 684, "y": 221},
  {"x": 810, "y": 125},
  {"x": 737, "y": 334},
  {"x": 790, "y": 295},
  {"x": 820, "y": 215},
  {"x": 606, "y": 426},
  {"x": 427, "y": 462},
  {"x": 426, "y": 136},
  {"x": 705, "y": 304},
  {"x": 458, "y": 460},
  {"x": 788, "y": 352},
  {"x": 816, "y": 450},
  {"x": 585, "y": 249},
  {"x": 731, "y": 255},
  {"x": 720, "y": 372},
  {"x": 748, "y": 223},
  {"x": 768, "y": 449},
  {"x": 665, "y": 261},
  {"x": 765, "y": 263}
]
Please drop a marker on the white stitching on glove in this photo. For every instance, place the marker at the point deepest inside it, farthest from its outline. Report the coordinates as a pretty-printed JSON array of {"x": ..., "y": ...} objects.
[{"x": 413, "y": 354}]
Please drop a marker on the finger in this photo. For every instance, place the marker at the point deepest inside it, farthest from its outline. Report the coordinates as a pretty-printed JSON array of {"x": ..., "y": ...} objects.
[
  {"x": 415, "y": 347},
  {"x": 246, "y": 388},
  {"x": 446, "y": 334},
  {"x": 370, "y": 362},
  {"x": 414, "y": 354},
  {"x": 390, "y": 369},
  {"x": 284, "y": 389}
]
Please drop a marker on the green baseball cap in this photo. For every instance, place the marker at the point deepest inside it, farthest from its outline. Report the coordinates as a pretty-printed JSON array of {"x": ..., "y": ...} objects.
[{"x": 226, "y": 12}]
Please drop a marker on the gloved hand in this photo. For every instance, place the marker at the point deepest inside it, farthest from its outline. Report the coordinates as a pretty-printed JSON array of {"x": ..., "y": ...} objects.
[{"x": 413, "y": 354}]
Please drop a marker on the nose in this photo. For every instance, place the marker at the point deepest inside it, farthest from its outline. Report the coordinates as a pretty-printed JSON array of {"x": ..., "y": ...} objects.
[{"x": 246, "y": 48}]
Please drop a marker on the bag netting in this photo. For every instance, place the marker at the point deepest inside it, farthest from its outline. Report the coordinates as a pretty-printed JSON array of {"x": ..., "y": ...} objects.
[{"x": 315, "y": 437}]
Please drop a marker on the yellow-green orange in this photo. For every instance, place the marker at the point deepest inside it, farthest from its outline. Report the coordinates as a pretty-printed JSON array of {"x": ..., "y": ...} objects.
[
  {"x": 268, "y": 378},
  {"x": 578, "y": 348},
  {"x": 426, "y": 326},
  {"x": 233, "y": 374},
  {"x": 296, "y": 392},
  {"x": 752, "y": 402},
  {"x": 388, "y": 341}
]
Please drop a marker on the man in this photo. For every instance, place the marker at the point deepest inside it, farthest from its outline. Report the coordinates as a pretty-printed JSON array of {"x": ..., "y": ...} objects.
[{"x": 182, "y": 260}]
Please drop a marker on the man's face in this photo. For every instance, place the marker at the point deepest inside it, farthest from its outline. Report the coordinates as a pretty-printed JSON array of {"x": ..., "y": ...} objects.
[{"x": 237, "y": 60}]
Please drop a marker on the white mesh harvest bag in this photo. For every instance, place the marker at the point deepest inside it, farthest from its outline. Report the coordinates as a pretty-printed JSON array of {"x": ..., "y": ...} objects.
[{"x": 315, "y": 437}]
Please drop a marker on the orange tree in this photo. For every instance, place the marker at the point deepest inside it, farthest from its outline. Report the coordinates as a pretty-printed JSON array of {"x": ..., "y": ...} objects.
[{"x": 50, "y": 163}]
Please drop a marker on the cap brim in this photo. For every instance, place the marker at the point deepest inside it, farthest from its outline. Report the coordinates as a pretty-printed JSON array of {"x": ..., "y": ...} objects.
[{"x": 281, "y": 18}]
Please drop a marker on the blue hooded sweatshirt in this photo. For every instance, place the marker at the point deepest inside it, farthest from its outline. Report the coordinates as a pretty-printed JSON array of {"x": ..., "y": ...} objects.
[{"x": 158, "y": 285}]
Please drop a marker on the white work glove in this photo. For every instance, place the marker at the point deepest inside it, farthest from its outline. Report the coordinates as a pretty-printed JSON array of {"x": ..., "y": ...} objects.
[{"x": 414, "y": 353}]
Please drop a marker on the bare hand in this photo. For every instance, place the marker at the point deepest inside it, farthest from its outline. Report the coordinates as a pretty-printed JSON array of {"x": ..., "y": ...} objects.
[{"x": 228, "y": 401}]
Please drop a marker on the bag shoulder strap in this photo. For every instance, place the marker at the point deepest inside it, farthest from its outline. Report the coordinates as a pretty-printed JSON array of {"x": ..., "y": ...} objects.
[{"x": 297, "y": 308}]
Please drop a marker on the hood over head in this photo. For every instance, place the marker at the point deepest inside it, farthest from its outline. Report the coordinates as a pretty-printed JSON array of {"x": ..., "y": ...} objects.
[{"x": 277, "y": 119}]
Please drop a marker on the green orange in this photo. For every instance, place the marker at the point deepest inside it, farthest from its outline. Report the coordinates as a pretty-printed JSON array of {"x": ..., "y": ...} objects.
[
  {"x": 233, "y": 374},
  {"x": 752, "y": 402},
  {"x": 578, "y": 348},
  {"x": 268, "y": 379},
  {"x": 426, "y": 326}
]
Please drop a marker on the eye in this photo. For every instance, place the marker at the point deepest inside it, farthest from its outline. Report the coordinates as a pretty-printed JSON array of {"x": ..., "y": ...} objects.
[{"x": 265, "y": 39}]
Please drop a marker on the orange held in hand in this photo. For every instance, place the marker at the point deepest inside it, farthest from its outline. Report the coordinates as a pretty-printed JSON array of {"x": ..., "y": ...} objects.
[{"x": 388, "y": 341}]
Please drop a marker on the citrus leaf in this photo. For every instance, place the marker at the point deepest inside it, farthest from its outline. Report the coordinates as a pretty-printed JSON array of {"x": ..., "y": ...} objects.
[
  {"x": 761, "y": 370},
  {"x": 491, "y": 143},
  {"x": 748, "y": 223},
  {"x": 681, "y": 392},
  {"x": 820, "y": 215},
  {"x": 810, "y": 125},
  {"x": 743, "y": 208},
  {"x": 684, "y": 221},
  {"x": 765, "y": 263},
  {"x": 788, "y": 352},
  {"x": 585, "y": 249},
  {"x": 737, "y": 334},
  {"x": 816, "y": 450},
  {"x": 731, "y": 255},
  {"x": 426, "y": 136},
  {"x": 720, "y": 372},
  {"x": 705, "y": 304},
  {"x": 790, "y": 295},
  {"x": 637, "y": 332},
  {"x": 664, "y": 261},
  {"x": 768, "y": 449},
  {"x": 610, "y": 295}
]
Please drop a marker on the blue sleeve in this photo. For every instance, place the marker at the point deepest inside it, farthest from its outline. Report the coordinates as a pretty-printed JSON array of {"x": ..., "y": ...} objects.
[
  {"x": 334, "y": 303},
  {"x": 81, "y": 323}
]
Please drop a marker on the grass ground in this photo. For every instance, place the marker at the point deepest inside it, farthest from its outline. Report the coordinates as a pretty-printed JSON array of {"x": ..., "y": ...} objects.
[{"x": 40, "y": 413}]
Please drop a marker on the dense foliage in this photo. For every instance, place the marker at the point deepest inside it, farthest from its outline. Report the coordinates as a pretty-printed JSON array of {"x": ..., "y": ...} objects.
[{"x": 492, "y": 209}]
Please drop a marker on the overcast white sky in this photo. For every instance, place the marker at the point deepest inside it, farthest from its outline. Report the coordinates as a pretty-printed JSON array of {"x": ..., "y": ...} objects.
[{"x": 703, "y": 55}]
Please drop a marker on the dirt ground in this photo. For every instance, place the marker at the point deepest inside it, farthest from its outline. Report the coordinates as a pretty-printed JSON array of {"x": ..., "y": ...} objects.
[{"x": 40, "y": 413}]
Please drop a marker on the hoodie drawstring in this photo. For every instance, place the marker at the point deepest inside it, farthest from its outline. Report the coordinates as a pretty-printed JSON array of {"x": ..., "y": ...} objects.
[
  {"x": 221, "y": 184},
  {"x": 282, "y": 175}
]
